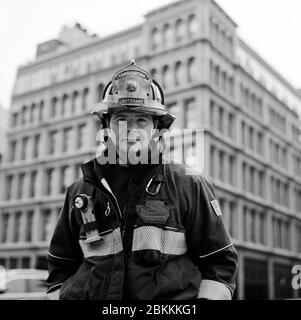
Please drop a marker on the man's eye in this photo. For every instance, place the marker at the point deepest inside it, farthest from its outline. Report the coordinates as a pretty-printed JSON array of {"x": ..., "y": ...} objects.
[
  {"x": 142, "y": 120},
  {"x": 121, "y": 119}
]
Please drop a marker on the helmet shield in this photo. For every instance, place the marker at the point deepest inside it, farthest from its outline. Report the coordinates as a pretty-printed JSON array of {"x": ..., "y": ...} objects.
[{"x": 132, "y": 88}]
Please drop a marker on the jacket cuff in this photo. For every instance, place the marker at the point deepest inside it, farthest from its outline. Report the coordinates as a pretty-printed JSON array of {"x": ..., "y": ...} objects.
[
  {"x": 55, "y": 294},
  {"x": 214, "y": 290}
]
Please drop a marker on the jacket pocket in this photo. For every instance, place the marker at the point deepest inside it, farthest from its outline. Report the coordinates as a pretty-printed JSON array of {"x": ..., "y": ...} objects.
[
  {"x": 74, "y": 288},
  {"x": 153, "y": 212}
]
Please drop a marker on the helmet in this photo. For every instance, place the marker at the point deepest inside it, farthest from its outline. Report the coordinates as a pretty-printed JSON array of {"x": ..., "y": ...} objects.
[{"x": 133, "y": 89}]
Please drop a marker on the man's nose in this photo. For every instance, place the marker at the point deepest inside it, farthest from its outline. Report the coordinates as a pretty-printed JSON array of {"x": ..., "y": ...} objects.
[{"x": 132, "y": 125}]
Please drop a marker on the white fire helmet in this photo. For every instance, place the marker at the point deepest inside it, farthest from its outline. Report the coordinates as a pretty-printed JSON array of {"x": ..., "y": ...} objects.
[{"x": 133, "y": 89}]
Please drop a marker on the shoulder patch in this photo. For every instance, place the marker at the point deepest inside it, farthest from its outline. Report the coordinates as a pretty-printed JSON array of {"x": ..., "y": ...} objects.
[{"x": 216, "y": 207}]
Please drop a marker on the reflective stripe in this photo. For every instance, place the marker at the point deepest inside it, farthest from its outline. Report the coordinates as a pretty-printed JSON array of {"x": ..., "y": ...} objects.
[
  {"x": 110, "y": 244},
  {"x": 216, "y": 251},
  {"x": 61, "y": 258},
  {"x": 154, "y": 238},
  {"x": 54, "y": 295},
  {"x": 214, "y": 290}
]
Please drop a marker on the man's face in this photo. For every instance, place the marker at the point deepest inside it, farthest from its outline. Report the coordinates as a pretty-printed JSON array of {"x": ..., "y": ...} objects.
[{"x": 132, "y": 129}]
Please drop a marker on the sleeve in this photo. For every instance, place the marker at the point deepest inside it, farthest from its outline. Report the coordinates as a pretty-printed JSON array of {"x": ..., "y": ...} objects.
[
  {"x": 64, "y": 255},
  {"x": 210, "y": 245}
]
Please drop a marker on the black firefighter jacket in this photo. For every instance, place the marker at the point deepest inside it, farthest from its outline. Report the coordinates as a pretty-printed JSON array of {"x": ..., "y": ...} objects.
[{"x": 168, "y": 242}]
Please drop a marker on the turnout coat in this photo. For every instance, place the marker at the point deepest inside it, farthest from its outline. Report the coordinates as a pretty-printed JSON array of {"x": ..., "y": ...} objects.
[{"x": 168, "y": 242}]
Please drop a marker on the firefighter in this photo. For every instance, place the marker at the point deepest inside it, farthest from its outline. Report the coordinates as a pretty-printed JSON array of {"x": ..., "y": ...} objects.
[{"x": 138, "y": 230}]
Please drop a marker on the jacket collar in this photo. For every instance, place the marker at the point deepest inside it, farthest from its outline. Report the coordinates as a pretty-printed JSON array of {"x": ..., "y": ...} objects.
[{"x": 94, "y": 172}]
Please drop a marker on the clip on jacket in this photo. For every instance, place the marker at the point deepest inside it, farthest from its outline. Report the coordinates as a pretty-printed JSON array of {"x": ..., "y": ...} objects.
[
  {"x": 86, "y": 206},
  {"x": 149, "y": 185}
]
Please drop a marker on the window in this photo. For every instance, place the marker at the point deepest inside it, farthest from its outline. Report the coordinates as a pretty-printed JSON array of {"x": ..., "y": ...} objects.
[
  {"x": 33, "y": 179},
  {"x": 221, "y": 119},
  {"x": 193, "y": 25},
  {"x": 256, "y": 279},
  {"x": 100, "y": 89},
  {"x": 53, "y": 142},
  {"x": 75, "y": 102},
  {"x": 9, "y": 185},
  {"x": 49, "y": 181},
  {"x": 67, "y": 140},
  {"x": 24, "y": 148},
  {"x": 166, "y": 77},
  {"x": 41, "y": 111},
  {"x": 192, "y": 69},
  {"x": 167, "y": 35},
  {"x": 46, "y": 225},
  {"x": 33, "y": 113},
  {"x": 4, "y": 227},
  {"x": 191, "y": 117},
  {"x": 180, "y": 30},
  {"x": 24, "y": 115},
  {"x": 36, "y": 145},
  {"x": 54, "y": 106},
  {"x": 20, "y": 186},
  {"x": 85, "y": 98},
  {"x": 156, "y": 38},
  {"x": 221, "y": 165},
  {"x": 179, "y": 73},
  {"x": 29, "y": 226},
  {"x": 15, "y": 119},
  {"x": 13, "y": 147},
  {"x": 65, "y": 105},
  {"x": 82, "y": 136},
  {"x": 17, "y": 224}
]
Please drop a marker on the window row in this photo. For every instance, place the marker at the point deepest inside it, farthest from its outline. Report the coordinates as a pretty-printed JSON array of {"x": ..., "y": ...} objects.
[
  {"x": 58, "y": 141},
  {"x": 280, "y": 192},
  {"x": 186, "y": 114},
  {"x": 67, "y": 104},
  {"x": 172, "y": 33},
  {"x": 221, "y": 79},
  {"x": 15, "y": 262},
  {"x": 222, "y": 166},
  {"x": 28, "y": 114},
  {"x": 28, "y": 185},
  {"x": 26, "y": 148},
  {"x": 277, "y": 121},
  {"x": 64, "y": 106},
  {"x": 252, "y": 139},
  {"x": 281, "y": 234},
  {"x": 251, "y": 100},
  {"x": 68, "y": 139},
  {"x": 278, "y": 154},
  {"x": 28, "y": 226},
  {"x": 220, "y": 36},
  {"x": 222, "y": 120},
  {"x": 178, "y": 74},
  {"x": 254, "y": 226},
  {"x": 253, "y": 180}
]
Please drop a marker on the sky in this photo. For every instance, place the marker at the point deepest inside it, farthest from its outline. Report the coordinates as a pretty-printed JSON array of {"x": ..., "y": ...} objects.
[{"x": 271, "y": 27}]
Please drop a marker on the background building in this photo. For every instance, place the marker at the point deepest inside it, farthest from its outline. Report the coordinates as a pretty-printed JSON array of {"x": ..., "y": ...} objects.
[
  {"x": 213, "y": 80},
  {"x": 3, "y": 128}
]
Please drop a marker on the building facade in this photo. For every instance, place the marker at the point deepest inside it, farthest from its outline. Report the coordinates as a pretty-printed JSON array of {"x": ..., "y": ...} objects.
[
  {"x": 212, "y": 80},
  {"x": 3, "y": 129}
]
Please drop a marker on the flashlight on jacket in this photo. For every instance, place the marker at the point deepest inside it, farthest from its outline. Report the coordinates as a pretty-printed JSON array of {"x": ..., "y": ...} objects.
[{"x": 86, "y": 206}]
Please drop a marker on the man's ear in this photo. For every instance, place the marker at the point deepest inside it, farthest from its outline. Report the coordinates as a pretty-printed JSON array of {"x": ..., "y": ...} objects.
[{"x": 156, "y": 123}]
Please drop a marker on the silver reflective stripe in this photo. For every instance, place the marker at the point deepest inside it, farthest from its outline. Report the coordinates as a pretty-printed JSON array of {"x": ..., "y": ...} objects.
[
  {"x": 214, "y": 290},
  {"x": 110, "y": 244},
  {"x": 54, "y": 295},
  {"x": 165, "y": 241}
]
